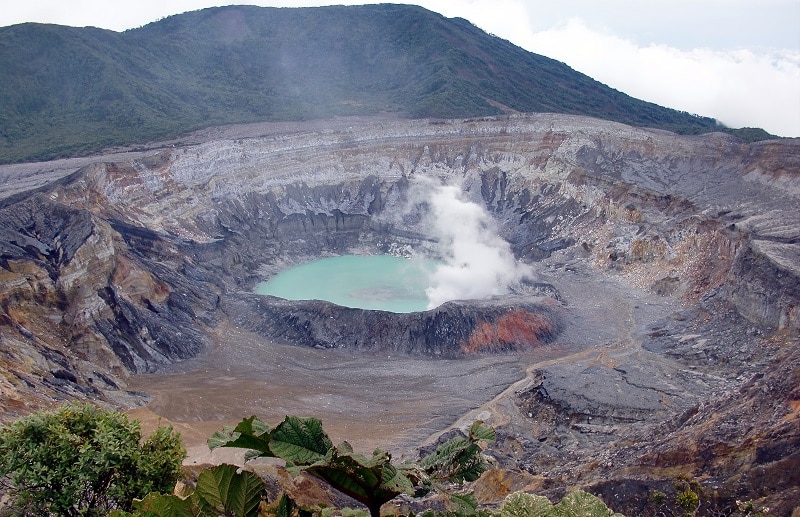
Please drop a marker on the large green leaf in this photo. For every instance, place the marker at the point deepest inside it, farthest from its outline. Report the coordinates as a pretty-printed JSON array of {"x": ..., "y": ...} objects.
[
  {"x": 286, "y": 506},
  {"x": 344, "y": 481},
  {"x": 461, "y": 503},
  {"x": 251, "y": 433},
  {"x": 457, "y": 460},
  {"x": 253, "y": 426},
  {"x": 212, "y": 488},
  {"x": 444, "y": 455},
  {"x": 352, "y": 474},
  {"x": 582, "y": 504},
  {"x": 221, "y": 490},
  {"x": 300, "y": 441},
  {"x": 372, "y": 480},
  {"x": 520, "y": 504},
  {"x": 246, "y": 493},
  {"x": 163, "y": 506},
  {"x": 478, "y": 431},
  {"x": 396, "y": 480}
]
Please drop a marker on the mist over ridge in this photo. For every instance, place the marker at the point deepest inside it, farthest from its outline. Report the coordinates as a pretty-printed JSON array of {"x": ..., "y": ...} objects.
[{"x": 68, "y": 91}]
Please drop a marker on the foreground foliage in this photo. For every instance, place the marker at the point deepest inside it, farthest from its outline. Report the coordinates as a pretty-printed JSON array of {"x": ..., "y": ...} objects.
[
  {"x": 220, "y": 490},
  {"x": 371, "y": 480},
  {"x": 84, "y": 460}
]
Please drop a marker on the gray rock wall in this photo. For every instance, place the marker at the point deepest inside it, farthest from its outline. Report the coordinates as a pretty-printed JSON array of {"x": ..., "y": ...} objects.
[{"x": 130, "y": 262}]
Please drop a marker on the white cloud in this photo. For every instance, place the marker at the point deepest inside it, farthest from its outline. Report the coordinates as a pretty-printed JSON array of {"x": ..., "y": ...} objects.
[{"x": 738, "y": 87}]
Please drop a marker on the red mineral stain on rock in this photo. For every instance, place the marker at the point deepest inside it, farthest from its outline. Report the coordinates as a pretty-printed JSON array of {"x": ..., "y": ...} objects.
[{"x": 517, "y": 329}]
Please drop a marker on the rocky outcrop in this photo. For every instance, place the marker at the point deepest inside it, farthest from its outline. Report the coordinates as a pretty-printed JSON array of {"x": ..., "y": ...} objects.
[
  {"x": 452, "y": 330},
  {"x": 765, "y": 283},
  {"x": 81, "y": 310}
]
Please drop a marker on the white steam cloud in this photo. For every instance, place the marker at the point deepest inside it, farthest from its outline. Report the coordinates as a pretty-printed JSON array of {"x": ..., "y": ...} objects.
[{"x": 477, "y": 262}]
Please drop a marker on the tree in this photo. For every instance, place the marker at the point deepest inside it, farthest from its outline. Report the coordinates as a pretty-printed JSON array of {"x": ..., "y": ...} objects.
[{"x": 84, "y": 460}]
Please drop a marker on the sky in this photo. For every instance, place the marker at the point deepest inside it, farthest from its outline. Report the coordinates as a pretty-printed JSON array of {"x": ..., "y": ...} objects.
[{"x": 734, "y": 60}]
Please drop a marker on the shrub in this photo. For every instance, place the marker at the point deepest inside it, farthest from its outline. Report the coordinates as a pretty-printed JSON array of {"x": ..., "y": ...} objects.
[
  {"x": 688, "y": 500},
  {"x": 81, "y": 459}
]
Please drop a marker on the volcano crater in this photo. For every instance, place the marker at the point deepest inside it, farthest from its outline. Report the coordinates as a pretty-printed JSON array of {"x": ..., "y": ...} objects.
[{"x": 654, "y": 288}]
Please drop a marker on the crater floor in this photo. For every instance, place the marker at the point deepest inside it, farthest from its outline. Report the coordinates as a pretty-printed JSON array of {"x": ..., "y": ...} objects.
[{"x": 396, "y": 402}]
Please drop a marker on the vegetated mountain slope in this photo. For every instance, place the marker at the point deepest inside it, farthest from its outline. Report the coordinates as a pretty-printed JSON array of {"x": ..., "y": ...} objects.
[{"x": 69, "y": 91}]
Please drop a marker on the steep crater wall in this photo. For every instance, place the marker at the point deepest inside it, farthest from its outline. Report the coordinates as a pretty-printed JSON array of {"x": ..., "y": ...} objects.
[{"x": 131, "y": 263}]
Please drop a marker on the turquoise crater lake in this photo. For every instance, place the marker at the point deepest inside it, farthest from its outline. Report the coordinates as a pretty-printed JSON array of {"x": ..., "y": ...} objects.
[{"x": 375, "y": 282}]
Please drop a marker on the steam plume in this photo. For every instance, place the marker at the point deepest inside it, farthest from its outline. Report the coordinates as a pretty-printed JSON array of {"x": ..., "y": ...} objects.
[{"x": 477, "y": 261}]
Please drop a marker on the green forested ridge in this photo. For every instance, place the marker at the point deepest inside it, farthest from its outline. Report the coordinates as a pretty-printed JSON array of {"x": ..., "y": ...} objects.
[{"x": 67, "y": 91}]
